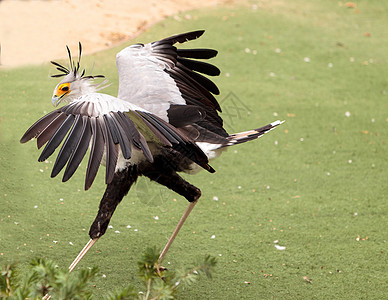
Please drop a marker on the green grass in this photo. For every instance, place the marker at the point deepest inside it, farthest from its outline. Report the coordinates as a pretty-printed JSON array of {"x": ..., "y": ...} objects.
[{"x": 317, "y": 184}]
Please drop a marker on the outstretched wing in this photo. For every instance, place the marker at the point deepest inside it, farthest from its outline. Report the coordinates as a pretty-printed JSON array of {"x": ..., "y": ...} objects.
[
  {"x": 109, "y": 126},
  {"x": 167, "y": 82}
]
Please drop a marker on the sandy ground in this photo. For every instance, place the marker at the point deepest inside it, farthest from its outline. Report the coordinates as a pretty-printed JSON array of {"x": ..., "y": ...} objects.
[{"x": 36, "y": 31}]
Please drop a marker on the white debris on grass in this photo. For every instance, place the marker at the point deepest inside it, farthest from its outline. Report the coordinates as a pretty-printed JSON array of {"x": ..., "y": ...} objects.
[
  {"x": 213, "y": 236},
  {"x": 280, "y": 247},
  {"x": 215, "y": 198}
]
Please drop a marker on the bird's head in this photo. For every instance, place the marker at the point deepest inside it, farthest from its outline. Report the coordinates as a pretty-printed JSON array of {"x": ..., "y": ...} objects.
[{"x": 74, "y": 83}]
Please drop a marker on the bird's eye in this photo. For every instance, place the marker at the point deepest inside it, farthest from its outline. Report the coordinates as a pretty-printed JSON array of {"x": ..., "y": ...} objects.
[{"x": 65, "y": 88}]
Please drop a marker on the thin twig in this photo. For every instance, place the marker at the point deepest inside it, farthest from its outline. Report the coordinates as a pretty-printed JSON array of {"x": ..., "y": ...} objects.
[{"x": 148, "y": 289}]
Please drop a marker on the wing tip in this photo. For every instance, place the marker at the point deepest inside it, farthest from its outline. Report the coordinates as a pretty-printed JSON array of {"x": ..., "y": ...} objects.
[{"x": 210, "y": 169}]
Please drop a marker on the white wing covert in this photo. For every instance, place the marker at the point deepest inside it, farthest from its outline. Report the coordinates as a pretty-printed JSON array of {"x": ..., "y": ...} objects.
[{"x": 167, "y": 82}]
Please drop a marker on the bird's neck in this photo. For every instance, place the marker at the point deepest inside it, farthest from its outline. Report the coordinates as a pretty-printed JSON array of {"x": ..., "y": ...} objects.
[
  {"x": 84, "y": 87},
  {"x": 87, "y": 87}
]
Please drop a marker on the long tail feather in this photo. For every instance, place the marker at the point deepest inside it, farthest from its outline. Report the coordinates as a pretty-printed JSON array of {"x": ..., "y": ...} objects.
[{"x": 249, "y": 135}]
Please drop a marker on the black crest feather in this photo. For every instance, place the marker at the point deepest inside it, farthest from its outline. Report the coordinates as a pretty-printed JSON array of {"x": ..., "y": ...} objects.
[{"x": 73, "y": 66}]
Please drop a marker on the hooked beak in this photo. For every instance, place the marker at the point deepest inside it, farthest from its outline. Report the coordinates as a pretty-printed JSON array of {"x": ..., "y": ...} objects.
[{"x": 55, "y": 100}]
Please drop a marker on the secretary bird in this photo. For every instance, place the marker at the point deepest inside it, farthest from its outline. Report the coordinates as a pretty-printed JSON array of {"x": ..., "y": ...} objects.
[{"x": 164, "y": 120}]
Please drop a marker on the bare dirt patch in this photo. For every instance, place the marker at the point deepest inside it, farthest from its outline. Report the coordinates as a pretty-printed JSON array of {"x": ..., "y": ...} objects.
[{"x": 35, "y": 31}]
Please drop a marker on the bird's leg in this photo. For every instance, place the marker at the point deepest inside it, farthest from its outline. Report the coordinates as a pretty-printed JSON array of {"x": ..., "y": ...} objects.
[
  {"x": 82, "y": 253},
  {"x": 176, "y": 231},
  {"x": 176, "y": 183},
  {"x": 114, "y": 193}
]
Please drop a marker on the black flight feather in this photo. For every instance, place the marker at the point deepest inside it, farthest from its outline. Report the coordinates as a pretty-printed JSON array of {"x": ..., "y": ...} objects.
[
  {"x": 145, "y": 149},
  {"x": 163, "y": 127},
  {"x": 201, "y": 80},
  {"x": 46, "y": 133},
  {"x": 183, "y": 79},
  {"x": 111, "y": 152},
  {"x": 112, "y": 128},
  {"x": 126, "y": 134},
  {"x": 96, "y": 153},
  {"x": 197, "y": 53},
  {"x": 182, "y": 115},
  {"x": 68, "y": 146},
  {"x": 123, "y": 140},
  {"x": 57, "y": 138},
  {"x": 160, "y": 136},
  {"x": 200, "y": 66},
  {"x": 195, "y": 154},
  {"x": 79, "y": 151},
  {"x": 39, "y": 126},
  {"x": 183, "y": 37},
  {"x": 169, "y": 51},
  {"x": 131, "y": 130}
]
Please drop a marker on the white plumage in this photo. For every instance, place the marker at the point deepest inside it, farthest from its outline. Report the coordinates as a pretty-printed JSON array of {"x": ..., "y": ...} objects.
[{"x": 143, "y": 81}]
